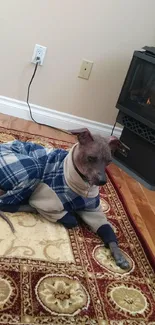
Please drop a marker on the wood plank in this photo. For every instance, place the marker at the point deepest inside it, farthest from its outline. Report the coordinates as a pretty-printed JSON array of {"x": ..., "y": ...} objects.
[
  {"x": 34, "y": 128},
  {"x": 150, "y": 196},
  {"x": 143, "y": 206},
  {"x": 137, "y": 204}
]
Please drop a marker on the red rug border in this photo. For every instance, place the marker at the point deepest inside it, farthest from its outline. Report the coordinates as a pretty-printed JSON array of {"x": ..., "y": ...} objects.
[{"x": 142, "y": 239}]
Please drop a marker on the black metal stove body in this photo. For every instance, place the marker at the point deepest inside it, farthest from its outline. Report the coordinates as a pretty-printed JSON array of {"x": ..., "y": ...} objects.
[{"x": 136, "y": 105}]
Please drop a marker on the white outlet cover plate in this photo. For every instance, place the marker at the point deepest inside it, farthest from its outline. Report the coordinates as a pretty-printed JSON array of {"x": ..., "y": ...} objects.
[
  {"x": 85, "y": 69},
  {"x": 40, "y": 51}
]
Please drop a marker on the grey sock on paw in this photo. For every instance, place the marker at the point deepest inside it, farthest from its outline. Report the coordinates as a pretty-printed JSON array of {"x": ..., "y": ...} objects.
[{"x": 118, "y": 256}]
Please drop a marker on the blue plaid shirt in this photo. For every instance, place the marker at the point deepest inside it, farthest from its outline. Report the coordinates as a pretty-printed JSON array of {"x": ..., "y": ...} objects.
[{"x": 23, "y": 165}]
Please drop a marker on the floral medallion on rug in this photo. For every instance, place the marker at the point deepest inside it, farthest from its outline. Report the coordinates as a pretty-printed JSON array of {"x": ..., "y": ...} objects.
[{"x": 49, "y": 275}]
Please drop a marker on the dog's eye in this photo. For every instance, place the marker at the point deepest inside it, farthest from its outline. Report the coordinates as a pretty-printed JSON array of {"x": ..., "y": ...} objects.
[{"x": 92, "y": 159}]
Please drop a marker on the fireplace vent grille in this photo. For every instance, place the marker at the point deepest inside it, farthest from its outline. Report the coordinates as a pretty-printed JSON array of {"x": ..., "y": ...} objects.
[{"x": 139, "y": 128}]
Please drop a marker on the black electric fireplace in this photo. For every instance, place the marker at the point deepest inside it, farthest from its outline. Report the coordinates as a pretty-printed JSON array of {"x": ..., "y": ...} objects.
[{"x": 136, "y": 105}]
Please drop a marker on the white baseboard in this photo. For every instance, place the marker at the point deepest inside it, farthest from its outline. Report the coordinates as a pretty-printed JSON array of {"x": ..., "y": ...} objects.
[{"x": 54, "y": 118}]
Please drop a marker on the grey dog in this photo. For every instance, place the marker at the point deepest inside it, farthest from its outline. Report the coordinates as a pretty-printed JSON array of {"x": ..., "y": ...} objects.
[{"x": 84, "y": 169}]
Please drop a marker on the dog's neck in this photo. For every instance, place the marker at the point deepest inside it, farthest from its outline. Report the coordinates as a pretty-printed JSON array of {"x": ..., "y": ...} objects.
[
  {"x": 78, "y": 171},
  {"x": 75, "y": 179},
  {"x": 75, "y": 160},
  {"x": 76, "y": 165}
]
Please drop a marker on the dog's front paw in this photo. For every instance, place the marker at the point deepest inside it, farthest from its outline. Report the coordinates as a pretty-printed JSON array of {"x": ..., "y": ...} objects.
[
  {"x": 121, "y": 261},
  {"x": 118, "y": 256}
]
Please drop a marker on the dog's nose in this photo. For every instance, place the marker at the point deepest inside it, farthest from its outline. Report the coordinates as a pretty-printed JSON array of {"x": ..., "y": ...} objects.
[{"x": 102, "y": 182}]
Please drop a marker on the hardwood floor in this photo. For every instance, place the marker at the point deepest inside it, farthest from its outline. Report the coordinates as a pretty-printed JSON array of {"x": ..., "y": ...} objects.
[
  {"x": 140, "y": 201},
  {"x": 141, "y": 204}
]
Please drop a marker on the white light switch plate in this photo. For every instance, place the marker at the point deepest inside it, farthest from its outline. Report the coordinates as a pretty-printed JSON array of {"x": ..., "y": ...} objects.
[{"x": 85, "y": 69}]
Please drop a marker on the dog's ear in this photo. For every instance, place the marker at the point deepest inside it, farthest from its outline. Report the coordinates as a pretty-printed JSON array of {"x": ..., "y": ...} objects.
[
  {"x": 84, "y": 136},
  {"x": 113, "y": 142}
]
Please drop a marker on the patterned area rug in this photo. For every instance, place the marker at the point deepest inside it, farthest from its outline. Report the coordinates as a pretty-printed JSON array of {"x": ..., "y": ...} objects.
[{"x": 49, "y": 275}]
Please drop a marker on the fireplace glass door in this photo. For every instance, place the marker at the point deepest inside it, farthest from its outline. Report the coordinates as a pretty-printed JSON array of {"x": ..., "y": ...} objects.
[{"x": 138, "y": 92}]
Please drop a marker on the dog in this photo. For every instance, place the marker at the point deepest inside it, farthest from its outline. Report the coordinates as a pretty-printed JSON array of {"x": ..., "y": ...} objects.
[{"x": 60, "y": 185}]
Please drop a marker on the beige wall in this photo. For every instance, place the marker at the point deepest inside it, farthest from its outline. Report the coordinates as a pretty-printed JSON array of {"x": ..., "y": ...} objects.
[{"x": 104, "y": 31}]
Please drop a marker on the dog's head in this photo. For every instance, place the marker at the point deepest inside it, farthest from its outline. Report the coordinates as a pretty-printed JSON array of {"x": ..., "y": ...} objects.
[{"x": 93, "y": 154}]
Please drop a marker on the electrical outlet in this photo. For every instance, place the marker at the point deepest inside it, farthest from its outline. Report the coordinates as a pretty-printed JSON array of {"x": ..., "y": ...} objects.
[
  {"x": 39, "y": 52},
  {"x": 85, "y": 69}
]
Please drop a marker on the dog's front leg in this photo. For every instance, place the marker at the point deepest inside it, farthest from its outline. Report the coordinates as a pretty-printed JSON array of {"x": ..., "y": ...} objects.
[{"x": 97, "y": 221}]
